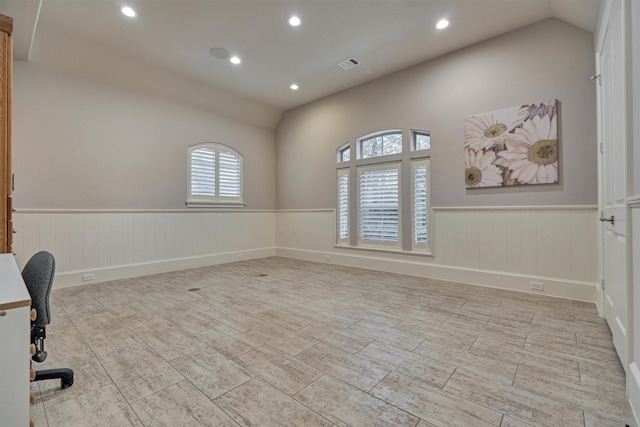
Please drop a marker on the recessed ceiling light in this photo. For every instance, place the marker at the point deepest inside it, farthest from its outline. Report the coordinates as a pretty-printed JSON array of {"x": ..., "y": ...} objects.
[
  {"x": 443, "y": 23},
  {"x": 294, "y": 21},
  {"x": 127, "y": 11},
  {"x": 294, "y": 86},
  {"x": 235, "y": 60},
  {"x": 219, "y": 52}
]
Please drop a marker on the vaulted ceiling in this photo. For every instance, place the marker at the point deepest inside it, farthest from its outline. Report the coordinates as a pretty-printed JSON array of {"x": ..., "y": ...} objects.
[{"x": 164, "y": 50}]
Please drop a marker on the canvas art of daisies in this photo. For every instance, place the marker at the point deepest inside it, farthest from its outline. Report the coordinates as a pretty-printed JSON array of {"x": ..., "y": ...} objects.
[{"x": 514, "y": 146}]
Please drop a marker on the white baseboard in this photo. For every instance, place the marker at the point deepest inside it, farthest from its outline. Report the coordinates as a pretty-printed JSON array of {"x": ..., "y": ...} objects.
[
  {"x": 582, "y": 291},
  {"x": 633, "y": 376},
  {"x": 74, "y": 278},
  {"x": 570, "y": 289}
]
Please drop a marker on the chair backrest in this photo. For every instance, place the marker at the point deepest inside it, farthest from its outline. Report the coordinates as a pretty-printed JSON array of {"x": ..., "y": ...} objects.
[{"x": 38, "y": 276}]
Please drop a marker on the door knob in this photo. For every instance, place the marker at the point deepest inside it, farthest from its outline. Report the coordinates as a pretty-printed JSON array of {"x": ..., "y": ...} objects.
[{"x": 611, "y": 220}]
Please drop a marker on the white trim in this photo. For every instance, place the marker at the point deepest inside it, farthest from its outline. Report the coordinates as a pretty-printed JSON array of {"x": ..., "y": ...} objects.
[
  {"x": 384, "y": 251},
  {"x": 603, "y": 25},
  {"x": 553, "y": 287},
  {"x": 195, "y": 203},
  {"x": 633, "y": 202},
  {"x": 92, "y": 211},
  {"x": 74, "y": 278},
  {"x": 633, "y": 375},
  {"x": 517, "y": 208},
  {"x": 306, "y": 210}
]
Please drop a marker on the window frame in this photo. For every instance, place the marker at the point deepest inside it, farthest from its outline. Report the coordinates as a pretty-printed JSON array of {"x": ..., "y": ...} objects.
[
  {"x": 216, "y": 200},
  {"x": 426, "y": 246},
  {"x": 342, "y": 150},
  {"x": 414, "y": 139},
  {"x": 346, "y": 225},
  {"x": 381, "y": 134},
  {"x": 407, "y": 160},
  {"x": 379, "y": 243}
]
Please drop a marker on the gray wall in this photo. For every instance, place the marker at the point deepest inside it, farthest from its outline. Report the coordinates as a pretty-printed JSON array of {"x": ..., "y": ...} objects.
[
  {"x": 79, "y": 144},
  {"x": 546, "y": 60}
]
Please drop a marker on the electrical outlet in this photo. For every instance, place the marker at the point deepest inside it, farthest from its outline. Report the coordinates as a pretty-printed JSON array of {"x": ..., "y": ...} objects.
[
  {"x": 88, "y": 277},
  {"x": 538, "y": 286}
]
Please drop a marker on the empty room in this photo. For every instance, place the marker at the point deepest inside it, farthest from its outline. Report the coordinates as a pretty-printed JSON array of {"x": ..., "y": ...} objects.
[{"x": 320, "y": 213}]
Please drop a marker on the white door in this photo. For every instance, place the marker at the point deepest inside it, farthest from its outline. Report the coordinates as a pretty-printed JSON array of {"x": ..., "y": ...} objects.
[{"x": 613, "y": 177}]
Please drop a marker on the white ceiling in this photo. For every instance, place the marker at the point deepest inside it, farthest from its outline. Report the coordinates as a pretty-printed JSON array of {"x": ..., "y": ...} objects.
[{"x": 165, "y": 49}]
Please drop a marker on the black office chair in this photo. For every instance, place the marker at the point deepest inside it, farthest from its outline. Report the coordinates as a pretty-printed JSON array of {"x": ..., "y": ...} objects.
[{"x": 38, "y": 276}]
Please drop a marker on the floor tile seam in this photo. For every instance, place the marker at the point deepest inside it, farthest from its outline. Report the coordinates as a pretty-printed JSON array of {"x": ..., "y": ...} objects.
[
  {"x": 155, "y": 392},
  {"x": 113, "y": 380},
  {"x": 293, "y": 396},
  {"x": 203, "y": 391},
  {"x": 503, "y": 408},
  {"x": 333, "y": 362},
  {"x": 285, "y": 355},
  {"x": 358, "y": 388},
  {"x": 38, "y": 396},
  {"x": 407, "y": 411},
  {"x": 456, "y": 397},
  {"x": 573, "y": 357},
  {"x": 102, "y": 387},
  {"x": 580, "y": 402}
]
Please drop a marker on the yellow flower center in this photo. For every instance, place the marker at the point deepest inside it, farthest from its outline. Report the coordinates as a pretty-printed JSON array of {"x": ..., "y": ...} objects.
[
  {"x": 472, "y": 176},
  {"x": 544, "y": 152},
  {"x": 495, "y": 130}
]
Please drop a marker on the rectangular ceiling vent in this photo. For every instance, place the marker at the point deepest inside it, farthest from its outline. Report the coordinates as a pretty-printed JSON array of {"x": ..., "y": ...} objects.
[{"x": 348, "y": 64}]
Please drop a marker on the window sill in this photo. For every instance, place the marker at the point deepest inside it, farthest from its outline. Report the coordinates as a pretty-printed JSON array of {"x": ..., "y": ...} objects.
[
  {"x": 383, "y": 250},
  {"x": 209, "y": 204}
]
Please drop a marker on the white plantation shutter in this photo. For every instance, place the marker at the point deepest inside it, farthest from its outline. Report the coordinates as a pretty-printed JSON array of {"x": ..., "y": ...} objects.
[
  {"x": 343, "y": 205},
  {"x": 420, "y": 197},
  {"x": 229, "y": 174},
  {"x": 203, "y": 171},
  {"x": 215, "y": 175},
  {"x": 379, "y": 205}
]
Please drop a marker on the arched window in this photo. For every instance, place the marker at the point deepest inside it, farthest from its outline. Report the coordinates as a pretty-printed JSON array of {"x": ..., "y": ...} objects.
[{"x": 215, "y": 175}]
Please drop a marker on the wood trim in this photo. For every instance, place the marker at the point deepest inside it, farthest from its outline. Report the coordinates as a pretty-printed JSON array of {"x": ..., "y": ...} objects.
[
  {"x": 15, "y": 304},
  {"x": 6, "y": 24}
]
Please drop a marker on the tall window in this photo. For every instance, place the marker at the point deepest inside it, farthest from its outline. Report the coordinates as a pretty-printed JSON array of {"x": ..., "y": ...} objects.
[
  {"x": 420, "y": 200},
  {"x": 215, "y": 175},
  {"x": 385, "y": 213},
  {"x": 343, "y": 206},
  {"x": 379, "y": 205}
]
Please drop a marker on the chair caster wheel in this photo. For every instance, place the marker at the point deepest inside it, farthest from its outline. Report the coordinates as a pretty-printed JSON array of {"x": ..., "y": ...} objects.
[{"x": 66, "y": 383}]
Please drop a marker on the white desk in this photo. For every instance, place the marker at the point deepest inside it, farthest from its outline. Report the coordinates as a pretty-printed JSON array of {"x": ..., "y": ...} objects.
[{"x": 15, "y": 332}]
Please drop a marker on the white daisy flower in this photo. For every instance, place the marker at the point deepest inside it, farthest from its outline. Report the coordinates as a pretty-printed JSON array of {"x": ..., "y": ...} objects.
[
  {"x": 479, "y": 170},
  {"x": 532, "y": 152},
  {"x": 483, "y": 131}
]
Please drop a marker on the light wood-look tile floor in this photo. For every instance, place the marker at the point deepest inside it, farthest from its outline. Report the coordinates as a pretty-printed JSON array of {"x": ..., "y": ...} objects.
[{"x": 281, "y": 342}]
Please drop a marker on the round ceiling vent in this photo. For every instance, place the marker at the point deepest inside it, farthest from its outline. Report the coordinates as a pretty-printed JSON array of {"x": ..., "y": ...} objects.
[{"x": 219, "y": 52}]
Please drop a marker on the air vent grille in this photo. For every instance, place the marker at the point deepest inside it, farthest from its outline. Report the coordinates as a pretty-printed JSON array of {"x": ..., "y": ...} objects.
[{"x": 347, "y": 64}]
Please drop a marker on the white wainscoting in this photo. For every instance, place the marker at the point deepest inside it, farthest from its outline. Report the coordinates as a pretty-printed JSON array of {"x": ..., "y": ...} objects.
[
  {"x": 501, "y": 247},
  {"x": 114, "y": 244}
]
